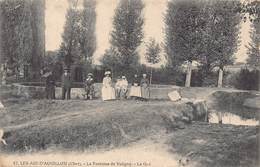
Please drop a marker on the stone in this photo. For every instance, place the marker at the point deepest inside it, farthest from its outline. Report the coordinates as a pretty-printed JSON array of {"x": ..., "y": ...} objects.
[{"x": 174, "y": 96}]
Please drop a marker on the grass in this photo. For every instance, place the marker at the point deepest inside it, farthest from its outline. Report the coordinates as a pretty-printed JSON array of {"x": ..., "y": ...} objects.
[
  {"x": 218, "y": 145},
  {"x": 77, "y": 125}
]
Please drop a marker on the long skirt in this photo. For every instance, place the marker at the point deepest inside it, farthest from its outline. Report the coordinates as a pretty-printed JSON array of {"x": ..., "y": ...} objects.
[
  {"x": 108, "y": 93},
  {"x": 135, "y": 91},
  {"x": 145, "y": 91}
]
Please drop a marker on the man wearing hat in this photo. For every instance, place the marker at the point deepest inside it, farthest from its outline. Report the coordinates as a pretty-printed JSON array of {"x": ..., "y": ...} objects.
[
  {"x": 50, "y": 85},
  {"x": 66, "y": 84},
  {"x": 89, "y": 87}
]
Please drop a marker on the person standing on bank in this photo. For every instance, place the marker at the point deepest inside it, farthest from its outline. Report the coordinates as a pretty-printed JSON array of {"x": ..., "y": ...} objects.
[
  {"x": 135, "y": 91},
  {"x": 108, "y": 92},
  {"x": 66, "y": 84},
  {"x": 145, "y": 90},
  {"x": 50, "y": 86}
]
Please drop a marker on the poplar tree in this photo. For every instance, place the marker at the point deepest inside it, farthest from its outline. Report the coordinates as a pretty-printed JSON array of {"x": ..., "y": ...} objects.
[{"x": 127, "y": 33}]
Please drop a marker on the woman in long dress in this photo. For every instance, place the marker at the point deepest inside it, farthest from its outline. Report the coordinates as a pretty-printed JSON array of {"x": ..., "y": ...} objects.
[
  {"x": 124, "y": 86},
  {"x": 145, "y": 90},
  {"x": 108, "y": 92},
  {"x": 135, "y": 91}
]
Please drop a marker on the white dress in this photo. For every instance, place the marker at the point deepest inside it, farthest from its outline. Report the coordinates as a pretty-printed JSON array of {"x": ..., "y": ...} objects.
[{"x": 108, "y": 92}]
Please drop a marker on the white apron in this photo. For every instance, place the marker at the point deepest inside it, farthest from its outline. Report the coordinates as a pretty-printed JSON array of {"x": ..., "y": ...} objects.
[{"x": 135, "y": 91}]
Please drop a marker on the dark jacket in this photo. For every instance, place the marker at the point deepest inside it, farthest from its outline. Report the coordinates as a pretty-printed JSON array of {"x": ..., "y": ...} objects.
[
  {"x": 66, "y": 81},
  {"x": 144, "y": 81},
  {"x": 50, "y": 81},
  {"x": 136, "y": 81}
]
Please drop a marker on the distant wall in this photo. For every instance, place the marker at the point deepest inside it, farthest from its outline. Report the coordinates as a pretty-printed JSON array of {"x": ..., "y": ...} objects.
[{"x": 157, "y": 91}]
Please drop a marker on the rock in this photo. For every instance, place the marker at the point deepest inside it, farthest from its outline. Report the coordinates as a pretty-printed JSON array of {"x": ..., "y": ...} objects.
[
  {"x": 200, "y": 109},
  {"x": 174, "y": 96}
]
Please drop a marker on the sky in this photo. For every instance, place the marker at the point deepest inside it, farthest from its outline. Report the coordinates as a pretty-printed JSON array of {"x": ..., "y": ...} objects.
[{"x": 154, "y": 26}]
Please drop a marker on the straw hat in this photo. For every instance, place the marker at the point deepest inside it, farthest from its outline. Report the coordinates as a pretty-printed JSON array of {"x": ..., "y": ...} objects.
[
  {"x": 107, "y": 73},
  {"x": 90, "y": 74}
]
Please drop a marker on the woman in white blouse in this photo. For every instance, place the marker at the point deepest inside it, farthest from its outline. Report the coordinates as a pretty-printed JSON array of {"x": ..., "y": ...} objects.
[{"x": 108, "y": 92}]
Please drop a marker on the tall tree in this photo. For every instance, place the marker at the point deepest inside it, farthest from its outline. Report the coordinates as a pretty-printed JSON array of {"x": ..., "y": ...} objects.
[
  {"x": 152, "y": 54},
  {"x": 17, "y": 32},
  {"x": 253, "y": 9},
  {"x": 127, "y": 33},
  {"x": 224, "y": 34},
  {"x": 79, "y": 39},
  {"x": 88, "y": 26},
  {"x": 1, "y": 31},
  {"x": 220, "y": 36},
  {"x": 38, "y": 36},
  {"x": 183, "y": 33},
  {"x": 23, "y": 34},
  {"x": 253, "y": 48},
  {"x": 70, "y": 47}
]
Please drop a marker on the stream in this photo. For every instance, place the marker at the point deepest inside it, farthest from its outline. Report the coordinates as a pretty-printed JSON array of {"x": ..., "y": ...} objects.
[{"x": 233, "y": 119}]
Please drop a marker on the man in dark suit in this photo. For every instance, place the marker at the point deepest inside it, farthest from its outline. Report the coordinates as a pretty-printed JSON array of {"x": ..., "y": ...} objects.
[
  {"x": 50, "y": 86},
  {"x": 66, "y": 84}
]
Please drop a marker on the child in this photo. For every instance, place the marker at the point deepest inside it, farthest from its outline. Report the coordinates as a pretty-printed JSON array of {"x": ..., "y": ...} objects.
[{"x": 89, "y": 87}]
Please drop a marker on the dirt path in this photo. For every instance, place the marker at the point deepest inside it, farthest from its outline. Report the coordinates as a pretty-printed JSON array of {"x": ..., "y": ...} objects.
[{"x": 144, "y": 153}]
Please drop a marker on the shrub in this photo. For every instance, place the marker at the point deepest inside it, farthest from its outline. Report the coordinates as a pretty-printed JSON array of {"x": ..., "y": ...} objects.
[{"x": 247, "y": 80}]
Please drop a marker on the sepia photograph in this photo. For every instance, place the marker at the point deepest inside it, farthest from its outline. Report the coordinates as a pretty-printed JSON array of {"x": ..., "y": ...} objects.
[{"x": 129, "y": 83}]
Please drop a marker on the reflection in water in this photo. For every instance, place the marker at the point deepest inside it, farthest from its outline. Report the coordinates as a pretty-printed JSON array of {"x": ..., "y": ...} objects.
[{"x": 229, "y": 118}]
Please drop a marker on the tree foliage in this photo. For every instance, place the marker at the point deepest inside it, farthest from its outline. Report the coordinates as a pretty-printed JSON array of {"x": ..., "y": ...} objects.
[
  {"x": 253, "y": 48},
  {"x": 88, "y": 26},
  {"x": 78, "y": 39},
  {"x": 153, "y": 50},
  {"x": 127, "y": 33},
  {"x": 22, "y": 31},
  {"x": 110, "y": 60},
  {"x": 221, "y": 35},
  {"x": 183, "y": 32}
]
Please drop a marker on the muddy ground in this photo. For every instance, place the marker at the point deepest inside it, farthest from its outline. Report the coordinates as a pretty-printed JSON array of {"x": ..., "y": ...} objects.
[{"x": 155, "y": 129}]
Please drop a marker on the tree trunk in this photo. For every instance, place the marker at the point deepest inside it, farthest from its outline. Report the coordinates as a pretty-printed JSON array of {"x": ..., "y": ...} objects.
[
  {"x": 38, "y": 32},
  {"x": 151, "y": 75},
  {"x": 188, "y": 74},
  {"x": 220, "y": 77}
]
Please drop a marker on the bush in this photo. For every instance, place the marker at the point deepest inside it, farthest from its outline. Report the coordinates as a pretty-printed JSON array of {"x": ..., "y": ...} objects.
[{"x": 246, "y": 79}]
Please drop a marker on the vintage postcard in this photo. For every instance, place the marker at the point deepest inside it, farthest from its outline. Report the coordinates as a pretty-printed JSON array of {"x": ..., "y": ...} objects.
[{"x": 129, "y": 83}]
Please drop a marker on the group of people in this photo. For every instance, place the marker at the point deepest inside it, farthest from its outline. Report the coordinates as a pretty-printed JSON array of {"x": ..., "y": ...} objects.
[
  {"x": 66, "y": 84},
  {"x": 110, "y": 91},
  {"x": 139, "y": 88}
]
